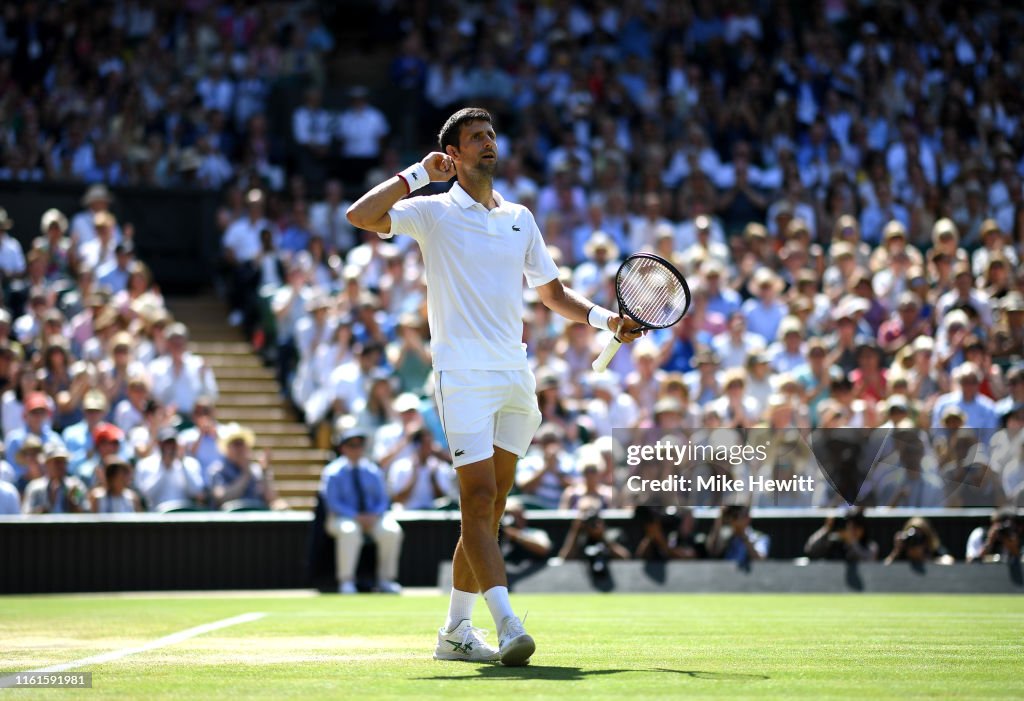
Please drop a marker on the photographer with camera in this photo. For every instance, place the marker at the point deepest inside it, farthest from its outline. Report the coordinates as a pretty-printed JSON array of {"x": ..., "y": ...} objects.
[
  {"x": 420, "y": 480},
  {"x": 1000, "y": 542},
  {"x": 733, "y": 539},
  {"x": 669, "y": 534},
  {"x": 843, "y": 538},
  {"x": 590, "y": 539},
  {"x": 520, "y": 543},
  {"x": 917, "y": 543}
]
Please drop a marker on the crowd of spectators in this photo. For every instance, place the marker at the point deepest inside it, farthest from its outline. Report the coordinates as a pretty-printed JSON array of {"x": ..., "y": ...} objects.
[
  {"x": 103, "y": 408},
  {"x": 841, "y": 186},
  {"x": 151, "y": 93}
]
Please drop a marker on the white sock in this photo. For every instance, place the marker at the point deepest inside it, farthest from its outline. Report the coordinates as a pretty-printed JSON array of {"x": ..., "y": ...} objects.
[
  {"x": 460, "y": 608},
  {"x": 498, "y": 603}
]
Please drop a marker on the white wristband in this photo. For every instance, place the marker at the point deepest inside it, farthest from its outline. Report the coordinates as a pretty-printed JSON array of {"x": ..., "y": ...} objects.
[
  {"x": 598, "y": 317},
  {"x": 415, "y": 177}
]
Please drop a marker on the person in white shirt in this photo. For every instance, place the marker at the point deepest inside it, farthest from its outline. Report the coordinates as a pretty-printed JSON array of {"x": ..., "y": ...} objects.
[
  {"x": 242, "y": 246},
  {"x": 180, "y": 377},
  {"x": 10, "y": 500},
  {"x": 361, "y": 130},
  {"x": 476, "y": 248},
  {"x": 97, "y": 199},
  {"x": 165, "y": 477},
  {"x": 418, "y": 480},
  {"x": 12, "y": 257},
  {"x": 311, "y": 129}
]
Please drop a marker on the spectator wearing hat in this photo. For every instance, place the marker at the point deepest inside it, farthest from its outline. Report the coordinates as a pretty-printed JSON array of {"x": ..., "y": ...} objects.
[
  {"x": 904, "y": 326},
  {"x": 609, "y": 408},
  {"x": 993, "y": 245},
  {"x": 167, "y": 478},
  {"x": 128, "y": 413},
  {"x": 37, "y": 414},
  {"x": 78, "y": 437},
  {"x": 736, "y": 343},
  {"x": 12, "y": 257},
  {"x": 965, "y": 294},
  {"x": 115, "y": 496},
  {"x": 1014, "y": 391},
  {"x": 721, "y": 298},
  {"x": 543, "y": 476},
  {"x": 97, "y": 200},
  {"x": 599, "y": 250},
  {"x": 29, "y": 454},
  {"x": 765, "y": 311},
  {"x": 787, "y": 352},
  {"x": 736, "y": 408},
  {"x": 98, "y": 252},
  {"x": 53, "y": 226},
  {"x": 55, "y": 492},
  {"x": 969, "y": 478},
  {"x": 418, "y": 480},
  {"x": 1008, "y": 335},
  {"x": 908, "y": 476},
  {"x": 356, "y": 497},
  {"x": 704, "y": 381},
  {"x": 979, "y": 410},
  {"x": 393, "y": 439},
  {"x": 236, "y": 476},
  {"x": 107, "y": 440},
  {"x": 180, "y": 377},
  {"x": 588, "y": 487}
]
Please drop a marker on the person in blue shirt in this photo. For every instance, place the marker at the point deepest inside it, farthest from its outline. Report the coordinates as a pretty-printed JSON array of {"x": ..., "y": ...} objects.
[
  {"x": 37, "y": 423},
  {"x": 356, "y": 496}
]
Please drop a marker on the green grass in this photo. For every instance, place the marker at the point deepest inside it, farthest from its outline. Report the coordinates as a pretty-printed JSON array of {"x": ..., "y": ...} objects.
[{"x": 589, "y": 647}]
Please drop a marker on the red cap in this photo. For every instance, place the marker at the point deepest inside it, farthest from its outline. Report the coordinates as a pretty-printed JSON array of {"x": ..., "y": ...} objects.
[
  {"x": 107, "y": 432},
  {"x": 36, "y": 400}
]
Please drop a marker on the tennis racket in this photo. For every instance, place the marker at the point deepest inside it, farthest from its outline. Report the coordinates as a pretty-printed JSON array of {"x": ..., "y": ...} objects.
[{"x": 651, "y": 292}]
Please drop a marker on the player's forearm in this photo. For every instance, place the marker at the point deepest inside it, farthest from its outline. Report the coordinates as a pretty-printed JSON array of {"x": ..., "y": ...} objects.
[
  {"x": 370, "y": 211},
  {"x": 565, "y": 301}
]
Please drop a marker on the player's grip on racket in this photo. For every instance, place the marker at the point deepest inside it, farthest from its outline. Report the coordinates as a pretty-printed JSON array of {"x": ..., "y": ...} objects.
[{"x": 651, "y": 292}]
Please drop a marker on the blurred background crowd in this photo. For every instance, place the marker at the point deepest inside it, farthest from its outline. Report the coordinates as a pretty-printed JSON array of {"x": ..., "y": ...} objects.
[{"x": 840, "y": 181}]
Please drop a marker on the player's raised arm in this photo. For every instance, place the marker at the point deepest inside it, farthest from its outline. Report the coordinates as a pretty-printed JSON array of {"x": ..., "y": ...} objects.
[{"x": 370, "y": 211}]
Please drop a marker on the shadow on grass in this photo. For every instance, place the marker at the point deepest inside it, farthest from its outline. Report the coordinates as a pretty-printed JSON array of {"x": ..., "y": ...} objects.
[{"x": 568, "y": 674}]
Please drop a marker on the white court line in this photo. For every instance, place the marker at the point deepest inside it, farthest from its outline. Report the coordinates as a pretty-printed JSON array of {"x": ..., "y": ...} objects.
[{"x": 172, "y": 639}]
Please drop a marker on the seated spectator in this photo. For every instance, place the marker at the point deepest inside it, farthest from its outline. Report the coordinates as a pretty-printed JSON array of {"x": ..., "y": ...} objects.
[
  {"x": 30, "y": 455},
  {"x": 37, "y": 423},
  {"x": 55, "y": 492},
  {"x": 542, "y": 478},
  {"x": 166, "y": 478},
  {"x": 179, "y": 378},
  {"x": 918, "y": 543},
  {"x": 128, "y": 413},
  {"x": 419, "y": 480},
  {"x": 521, "y": 544},
  {"x": 10, "y": 500},
  {"x": 843, "y": 538},
  {"x": 236, "y": 476},
  {"x": 204, "y": 439},
  {"x": 589, "y": 464},
  {"x": 732, "y": 538},
  {"x": 115, "y": 497},
  {"x": 78, "y": 437},
  {"x": 107, "y": 441},
  {"x": 357, "y": 500}
]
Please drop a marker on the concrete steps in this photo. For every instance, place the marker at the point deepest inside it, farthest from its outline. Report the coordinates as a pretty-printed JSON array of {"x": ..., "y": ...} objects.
[{"x": 250, "y": 395}]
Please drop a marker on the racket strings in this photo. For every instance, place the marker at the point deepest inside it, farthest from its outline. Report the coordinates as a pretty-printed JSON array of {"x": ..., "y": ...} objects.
[{"x": 651, "y": 294}]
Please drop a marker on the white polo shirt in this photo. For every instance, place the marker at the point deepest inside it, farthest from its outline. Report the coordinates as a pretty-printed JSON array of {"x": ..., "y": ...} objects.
[{"x": 475, "y": 260}]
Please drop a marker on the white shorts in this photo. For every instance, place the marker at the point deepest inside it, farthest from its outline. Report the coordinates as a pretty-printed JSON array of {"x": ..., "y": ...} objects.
[{"x": 481, "y": 409}]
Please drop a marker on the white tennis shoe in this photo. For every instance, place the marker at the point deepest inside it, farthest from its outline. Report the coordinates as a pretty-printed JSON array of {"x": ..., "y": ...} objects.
[
  {"x": 514, "y": 643},
  {"x": 465, "y": 643}
]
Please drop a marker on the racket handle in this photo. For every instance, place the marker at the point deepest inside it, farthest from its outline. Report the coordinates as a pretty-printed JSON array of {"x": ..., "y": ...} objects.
[{"x": 606, "y": 355}]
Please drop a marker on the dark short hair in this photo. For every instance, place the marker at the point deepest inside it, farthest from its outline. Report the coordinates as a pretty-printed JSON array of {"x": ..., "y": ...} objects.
[{"x": 449, "y": 135}]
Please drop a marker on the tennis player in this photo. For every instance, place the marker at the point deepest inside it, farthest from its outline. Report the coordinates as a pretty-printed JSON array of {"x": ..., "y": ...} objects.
[{"x": 476, "y": 248}]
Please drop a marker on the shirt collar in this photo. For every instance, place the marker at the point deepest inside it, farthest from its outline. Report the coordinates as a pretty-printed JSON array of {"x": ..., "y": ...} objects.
[{"x": 464, "y": 200}]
